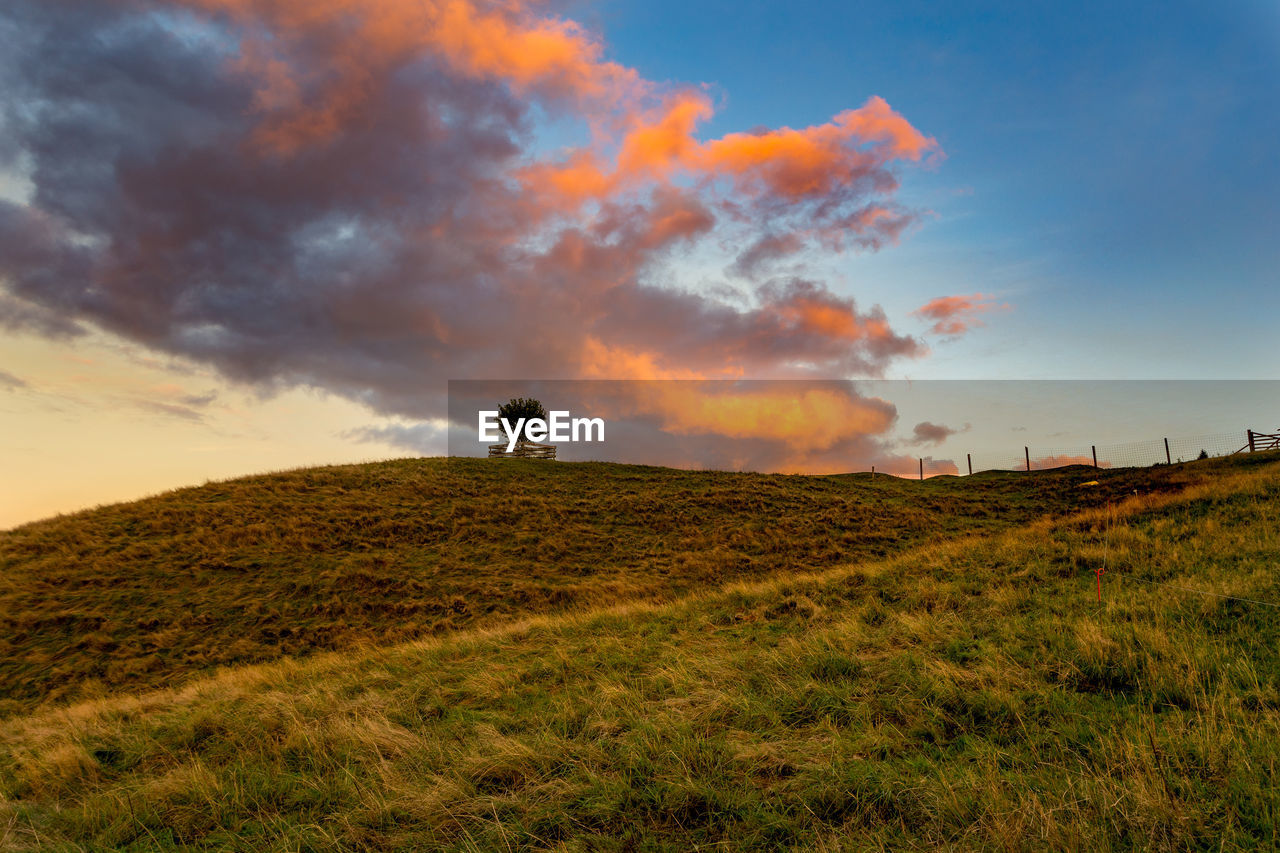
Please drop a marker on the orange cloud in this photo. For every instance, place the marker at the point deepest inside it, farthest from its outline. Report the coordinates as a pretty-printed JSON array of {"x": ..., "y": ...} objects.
[
  {"x": 361, "y": 39},
  {"x": 526, "y": 51},
  {"x": 658, "y": 146},
  {"x": 355, "y": 202},
  {"x": 792, "y": 165},
  {"x": 805, "y": 426},
  {"x": 813, "y": 419},
  {"x": 601, "y": 361},
  {"x": 791, "y": 426},
  {"x": 565, "y": 186},
  {"x": 954, "y": 315},
  {"x": 808, "y": 310}
]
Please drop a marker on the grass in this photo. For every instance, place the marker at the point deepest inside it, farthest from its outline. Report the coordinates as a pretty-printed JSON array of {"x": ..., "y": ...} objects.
[
  {"x": 963, "y": 693},
  {"x": 146, "y": 594}
]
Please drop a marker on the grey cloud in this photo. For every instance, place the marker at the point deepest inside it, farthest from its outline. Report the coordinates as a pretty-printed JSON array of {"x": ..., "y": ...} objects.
[
  {"x": 926, "y": 432},
  {"x": 375, "y": 263},
  {"x": 10, "y": 382},
  {"x": 421, "y": 438},
  {"x": 168, "y": 409},
  {"x": 198, "y": 400}
]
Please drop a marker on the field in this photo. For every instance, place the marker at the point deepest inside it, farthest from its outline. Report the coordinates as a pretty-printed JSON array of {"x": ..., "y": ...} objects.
[
  {"x": 145, "y": 594},
  {"x": 733, "y": 661}
]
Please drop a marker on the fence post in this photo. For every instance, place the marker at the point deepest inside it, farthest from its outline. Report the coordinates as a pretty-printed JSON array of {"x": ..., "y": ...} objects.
[
  {"x": 1094, "y": 448},
  {"x": 969, "y": 456},
  {"x": 1167, "y": 458},
  {"x": 922, "y": 469},
  {"x": 1250, "y": 441},
  {"x": 873, "y": 472},
  {"x": 1027, "y": 451}
]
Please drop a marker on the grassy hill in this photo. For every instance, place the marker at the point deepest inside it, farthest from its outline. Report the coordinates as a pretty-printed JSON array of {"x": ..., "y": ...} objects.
[
  {"x": 963, "y": 690},
  {"x": 144, "y": 594}
]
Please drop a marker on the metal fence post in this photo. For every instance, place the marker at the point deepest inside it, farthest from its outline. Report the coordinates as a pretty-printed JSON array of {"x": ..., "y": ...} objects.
[
  {"x": 1167, "y": 458},
  {"x": 969, "y": 456},
  {"x": 1027, "y": 451},
  {"x": 1094, "y": 448}
]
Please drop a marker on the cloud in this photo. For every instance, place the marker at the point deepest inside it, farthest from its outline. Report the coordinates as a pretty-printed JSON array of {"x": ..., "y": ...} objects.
[
  {"x": 9, "y": 382},
  {"x": 792, "y": 426},
  {"x": 425, "y": 438},
  {"x": 764, "y": 250},
  {"x": 198, "y": 400},
  {"x": 1040, "y": 463},
  {"x": 352, "y": 195},
  {"x": 952, "y": 316},
  {"x": 168, "y": 409},
  {"x": 936, "y": 467},
  {"x": 926, "y": 432}
]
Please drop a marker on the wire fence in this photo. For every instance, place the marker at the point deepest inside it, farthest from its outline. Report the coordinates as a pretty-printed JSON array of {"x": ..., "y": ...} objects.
[{"x": 1132, "y": 454}]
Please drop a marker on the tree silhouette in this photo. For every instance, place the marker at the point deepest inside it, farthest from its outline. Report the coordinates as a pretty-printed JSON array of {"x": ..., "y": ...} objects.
[{"x": 518, "y": 408}]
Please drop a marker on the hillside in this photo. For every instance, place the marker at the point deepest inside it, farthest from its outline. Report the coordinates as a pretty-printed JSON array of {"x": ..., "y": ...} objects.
[
  {"x": 144, "y": 594},
  {"x": 968, "y": 693}
]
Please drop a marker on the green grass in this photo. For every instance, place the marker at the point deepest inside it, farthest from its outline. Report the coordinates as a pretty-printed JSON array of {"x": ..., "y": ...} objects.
[
  {"x": 145, "y": 594},
  {"x": 964, "y": 693}
]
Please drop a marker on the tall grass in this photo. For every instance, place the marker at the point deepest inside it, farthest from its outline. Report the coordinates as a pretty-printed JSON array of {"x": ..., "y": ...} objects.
[
  {"x": 146, "y": 594},
  {"x": 966, "y": 694}
]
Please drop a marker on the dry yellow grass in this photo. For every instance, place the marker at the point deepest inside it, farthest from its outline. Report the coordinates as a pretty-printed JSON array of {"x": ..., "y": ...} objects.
[
  {"x": 962, "y": 695},
  {"x": 148, "y": 593}
]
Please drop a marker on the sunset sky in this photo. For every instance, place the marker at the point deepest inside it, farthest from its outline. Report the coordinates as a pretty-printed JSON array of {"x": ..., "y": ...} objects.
[{"x": 244, "y": 235}]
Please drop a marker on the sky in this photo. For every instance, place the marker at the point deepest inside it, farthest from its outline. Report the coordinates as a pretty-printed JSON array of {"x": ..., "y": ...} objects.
[{"x": 247, "y": 235}]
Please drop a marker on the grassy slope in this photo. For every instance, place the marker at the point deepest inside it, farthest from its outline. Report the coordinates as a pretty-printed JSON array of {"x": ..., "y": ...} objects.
[
  {"x": 965, "y": 694},
  {"x": 146, "y": 593}
]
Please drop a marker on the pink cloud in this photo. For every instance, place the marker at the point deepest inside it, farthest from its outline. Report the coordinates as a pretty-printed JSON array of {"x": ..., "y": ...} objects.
[
  {"x": 348, "y": 195},
  {"x": 952, "y": 316}
]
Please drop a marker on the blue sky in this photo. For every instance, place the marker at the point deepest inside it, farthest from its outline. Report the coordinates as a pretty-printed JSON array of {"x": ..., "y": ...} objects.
[{"x": 1111, "y": 168}]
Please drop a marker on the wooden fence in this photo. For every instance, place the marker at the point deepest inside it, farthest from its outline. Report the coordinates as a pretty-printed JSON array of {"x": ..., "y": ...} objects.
[
  {"x": 1159, "y": 451},
  {"x": 1263, "y": 441},
  {"x": 523, "y": 450}
]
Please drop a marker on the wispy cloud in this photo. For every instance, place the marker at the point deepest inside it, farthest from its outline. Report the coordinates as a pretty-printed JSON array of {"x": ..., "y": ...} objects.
[
  {"x": 167, "y": 409},
  {"x": 952, "y": 316},
  {"x": 9, "y": 382},
  {"x": 423, "y": 438}
]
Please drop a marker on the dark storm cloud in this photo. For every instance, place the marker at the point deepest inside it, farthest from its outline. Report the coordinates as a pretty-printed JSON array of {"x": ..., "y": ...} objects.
[{"x": 346, "y": 196}]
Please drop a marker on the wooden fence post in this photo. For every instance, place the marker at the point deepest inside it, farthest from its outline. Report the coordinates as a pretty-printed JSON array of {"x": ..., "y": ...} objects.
[
  {"x": 922, "y": 469},
  {"x": 1027, "y": 450},
  {"x": 1250, "y": 441},
  {"x": 1094, "y": 448},
  {"x": 969, "y": 456},
  {"x": 1167, "y": 458},
  {"x": 873, "y": 472}
]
